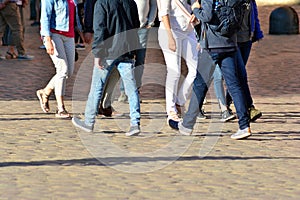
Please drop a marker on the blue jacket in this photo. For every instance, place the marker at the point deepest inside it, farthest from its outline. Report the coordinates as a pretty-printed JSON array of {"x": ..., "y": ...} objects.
[
  {"x": 55, "y": 15},
  {"x": 256, "y": 32}
]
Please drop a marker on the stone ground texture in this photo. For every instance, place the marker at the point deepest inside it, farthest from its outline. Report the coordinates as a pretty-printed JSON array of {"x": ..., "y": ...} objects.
[{"x": 46, "y": 158}]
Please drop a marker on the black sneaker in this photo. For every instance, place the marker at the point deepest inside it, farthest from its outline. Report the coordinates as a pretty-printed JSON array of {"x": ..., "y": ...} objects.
[
  {"x": 173, "y": 124},
  {"x": 201, "y": 115},
  {"x": 227, "y": 116}
]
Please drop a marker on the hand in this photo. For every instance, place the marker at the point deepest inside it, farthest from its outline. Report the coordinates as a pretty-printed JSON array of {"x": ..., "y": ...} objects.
[
  {"x": 172, "y": 44},
  {"x": 88, "y": 37},
  {"x": 196, "y": 4},
  {"x": 194, "y": 20},
  {"x": 49, "y": 46},
  {"x": 97, "y": 63},
  {"x": 24, "y": 3}
]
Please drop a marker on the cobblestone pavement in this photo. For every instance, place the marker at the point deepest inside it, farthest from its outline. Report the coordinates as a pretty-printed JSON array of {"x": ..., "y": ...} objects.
[{"x": 46, "y": 158}]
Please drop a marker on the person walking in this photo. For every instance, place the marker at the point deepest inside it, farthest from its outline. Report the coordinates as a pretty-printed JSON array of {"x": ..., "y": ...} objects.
[
  {"x": 177, "y": 39},
  {"x": 115, "y": 41},
  {"x": 147, "y": 10},
  {"x": 58, "y": 31},
  {"x": 105, "y": 107},
  {"x": 221, "y": 50},
  {"x": 249, "y": 33}
]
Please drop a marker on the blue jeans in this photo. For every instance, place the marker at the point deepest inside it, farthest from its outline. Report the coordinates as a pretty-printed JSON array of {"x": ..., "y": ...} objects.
[
  {"x": 218, "y": 85},
  {"x": 99, "y": 78},
  {"x": 140, "y": 58},
  {"x": 205, "y": 69},
  {"x": 242, "y": 58}
]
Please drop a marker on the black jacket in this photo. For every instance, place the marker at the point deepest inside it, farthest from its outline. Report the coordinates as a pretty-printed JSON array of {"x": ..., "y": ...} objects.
[
  {"x": 115, "y": 29},
  {"x": 88, "y": 16}
]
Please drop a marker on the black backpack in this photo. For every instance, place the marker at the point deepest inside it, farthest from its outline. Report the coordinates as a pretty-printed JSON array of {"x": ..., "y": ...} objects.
[{"x": 228, "y": 16}]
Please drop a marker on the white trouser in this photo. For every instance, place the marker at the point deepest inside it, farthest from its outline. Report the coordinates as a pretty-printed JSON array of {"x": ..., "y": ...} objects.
[
  {"x": 63, "y": 59},
  {"x": 186, "y": 47}
]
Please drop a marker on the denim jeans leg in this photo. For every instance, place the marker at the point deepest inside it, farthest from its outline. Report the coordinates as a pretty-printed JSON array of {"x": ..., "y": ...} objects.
[
  {"x": 205, "y": 69},
  {"x": 126, "y": 70},
  {"x": 98, "y": 82},
  {"x": 218, "y": 85},
  {"x": 229, "y": 70},
  {"x": 140, "y": 56},
  {"x": 245, "y": 48},
  {"x": 242, "y": 73}
]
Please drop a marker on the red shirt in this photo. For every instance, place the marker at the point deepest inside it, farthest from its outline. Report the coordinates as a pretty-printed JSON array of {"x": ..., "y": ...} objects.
[{"x": 71, "y": 32}]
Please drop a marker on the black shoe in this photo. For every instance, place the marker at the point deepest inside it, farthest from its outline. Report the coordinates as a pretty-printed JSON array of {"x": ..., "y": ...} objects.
[
  {"x": 107, "y": 112},
  {"x": 201, "y": 114},
  {"x": 173, "y": 124}
]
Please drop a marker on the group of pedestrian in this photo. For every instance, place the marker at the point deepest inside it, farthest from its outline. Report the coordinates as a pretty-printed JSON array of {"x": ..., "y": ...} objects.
[{"x": 120, "y": 29}]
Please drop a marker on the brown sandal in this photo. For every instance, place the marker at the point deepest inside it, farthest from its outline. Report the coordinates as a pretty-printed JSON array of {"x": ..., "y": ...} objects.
[
  {"x": 44, "y": 100},
  {"x": 10, "y": 55}
]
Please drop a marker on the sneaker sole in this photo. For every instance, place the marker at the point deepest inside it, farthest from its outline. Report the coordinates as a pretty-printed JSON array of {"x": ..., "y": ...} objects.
[
  {"x": 41, "y": 101},
  {"x": 62, "y": 117},
  {"x": 133, "y": 134},
  {"x": 244, "y": 136}
]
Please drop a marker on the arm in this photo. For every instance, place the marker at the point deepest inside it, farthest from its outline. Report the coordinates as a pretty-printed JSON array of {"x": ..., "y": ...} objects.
[
  {"x": 164, "y": 10},
  {"x": 203, "y": 12},
  {"x": 46, "y": 12},
  {"x": 88, "y": 20},
  {"x": 100, "y": 34},
  {"x": 152, "y": 13},
  {"x": 171, "y": 40},
  {"x": 257, "y": 34}
]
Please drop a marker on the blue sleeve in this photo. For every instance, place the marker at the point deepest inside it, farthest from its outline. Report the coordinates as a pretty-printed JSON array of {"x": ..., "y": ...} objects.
[
  {"x": 257, "y": 34},
  {"x": 46, "y": 12}
]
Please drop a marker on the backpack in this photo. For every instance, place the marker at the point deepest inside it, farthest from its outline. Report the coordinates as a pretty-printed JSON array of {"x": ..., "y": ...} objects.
[{"x": 228, "y": 16}]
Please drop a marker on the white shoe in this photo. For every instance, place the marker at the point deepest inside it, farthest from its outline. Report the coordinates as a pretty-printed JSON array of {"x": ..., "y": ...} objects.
[
  {"x": 134, "y": 131},
  {"x": 183, "y": 130},
  {"x": 241, "y": 134}
]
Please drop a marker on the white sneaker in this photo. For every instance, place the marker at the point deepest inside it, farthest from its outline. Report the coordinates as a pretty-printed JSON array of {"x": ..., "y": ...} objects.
[
  {"x": 134, "y": 131},
  {"x": 241, "y": 134},
  {"x": 183, "y": 130}
]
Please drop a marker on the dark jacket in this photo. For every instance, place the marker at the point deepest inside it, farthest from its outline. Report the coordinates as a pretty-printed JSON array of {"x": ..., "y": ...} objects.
[
  {"x": 115, "y": 29},
  {"x": 88, "y": 16},
  {"x": 210, "y": 39}
]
